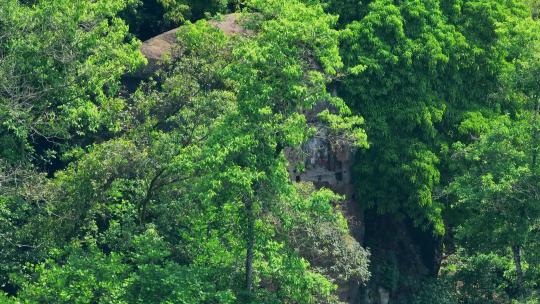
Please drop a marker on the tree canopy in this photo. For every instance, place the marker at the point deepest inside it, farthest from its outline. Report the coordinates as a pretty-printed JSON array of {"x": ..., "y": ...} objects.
[{"x": 175, "y": 186}]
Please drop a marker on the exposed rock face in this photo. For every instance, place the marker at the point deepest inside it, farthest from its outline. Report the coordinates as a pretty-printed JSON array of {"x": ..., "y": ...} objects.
[
  {"x": 157, "y": 48},
  {"x": 230, "y": 24},
  {"x": 322, "y": 165},
  {"x": 154, "y": 49}
]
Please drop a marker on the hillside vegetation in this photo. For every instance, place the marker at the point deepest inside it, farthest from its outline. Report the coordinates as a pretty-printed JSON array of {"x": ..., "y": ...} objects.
[{"x": 126, "y": 179}]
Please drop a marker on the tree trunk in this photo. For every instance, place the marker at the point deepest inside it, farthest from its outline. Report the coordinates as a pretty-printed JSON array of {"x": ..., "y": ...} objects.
[
  {"x": 144, "y": 204},
  {"x": 535, "y": 135},
  {"x": 516, "y": 250},
  {"x": 250, "y": 238}
]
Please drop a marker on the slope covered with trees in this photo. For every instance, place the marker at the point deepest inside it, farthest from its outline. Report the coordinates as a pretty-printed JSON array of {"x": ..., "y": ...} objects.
[
  {"x": 175, "y": 188},
  {"x": 436, "y": 78}
]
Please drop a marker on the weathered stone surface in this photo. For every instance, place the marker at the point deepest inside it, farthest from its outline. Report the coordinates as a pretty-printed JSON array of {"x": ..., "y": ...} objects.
[
  {"x": 230, "y": 24},
  {"x": 157, "y": 48}
]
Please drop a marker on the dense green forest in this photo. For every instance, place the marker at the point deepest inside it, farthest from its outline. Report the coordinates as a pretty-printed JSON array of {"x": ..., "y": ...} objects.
[{"x": 126, "y": 180}]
